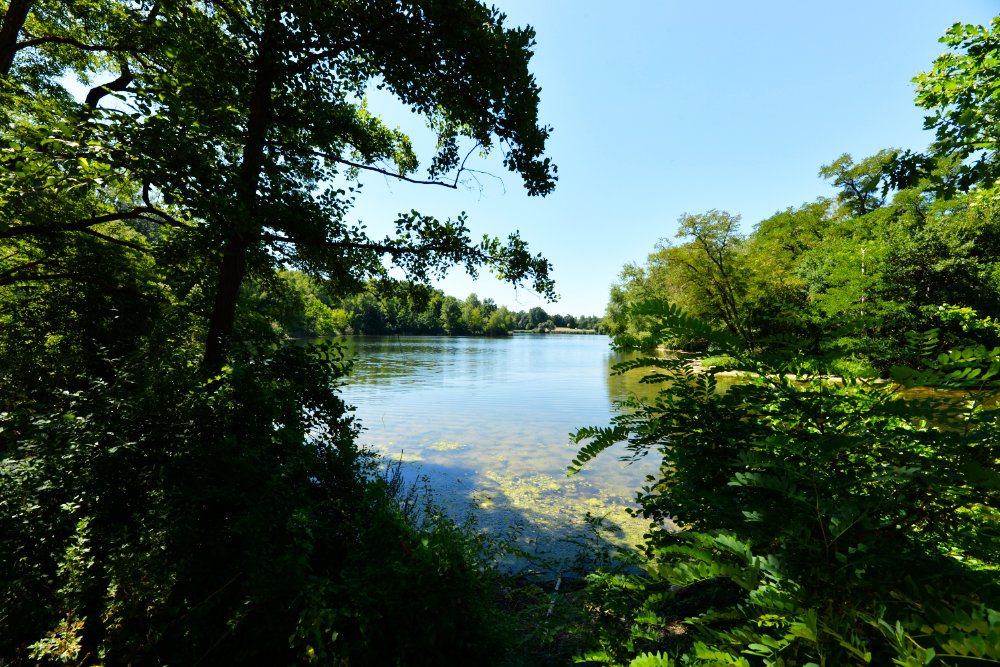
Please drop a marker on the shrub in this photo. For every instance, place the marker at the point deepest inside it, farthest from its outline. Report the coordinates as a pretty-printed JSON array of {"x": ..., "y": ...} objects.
[
  {"x": 818, "y": 523},
  {"x": 161, "y": 517}
]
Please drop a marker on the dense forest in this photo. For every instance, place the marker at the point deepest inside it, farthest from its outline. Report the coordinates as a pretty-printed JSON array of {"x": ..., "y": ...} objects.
[
  {"x": 182, "y": 485},
  {"x": 299, "y": 306},
  {"x": 905, "y": 246}
]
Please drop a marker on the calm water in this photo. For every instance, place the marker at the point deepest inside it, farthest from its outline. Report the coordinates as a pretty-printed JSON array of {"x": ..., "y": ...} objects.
[{"x": 487, "y": 421}]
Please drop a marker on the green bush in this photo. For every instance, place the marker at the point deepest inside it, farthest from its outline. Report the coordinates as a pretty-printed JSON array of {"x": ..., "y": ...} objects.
[
  {"x": 816, "y": 523},
  {"x": 159, "y": 517}
]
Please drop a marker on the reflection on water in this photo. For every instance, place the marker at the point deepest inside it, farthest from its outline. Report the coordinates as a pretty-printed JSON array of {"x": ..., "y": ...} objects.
[{"x": 487, "y": 419}]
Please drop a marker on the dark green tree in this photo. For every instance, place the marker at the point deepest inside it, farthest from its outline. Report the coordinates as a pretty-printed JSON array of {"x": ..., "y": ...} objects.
[
  {"x": 175, "y": 488},
  {"x": 537, "y": 315},
  {"x": 247, "y": 175}
]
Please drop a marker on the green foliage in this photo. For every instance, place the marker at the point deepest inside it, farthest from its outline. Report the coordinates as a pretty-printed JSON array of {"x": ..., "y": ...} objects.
[
  {"x": 298, "y": 305},
  {"x": 907, "y": 233},
  {"x": 813, "y": 522},
  {"x": 163, "y": 518},
  {"x": 828, "y": 277},
  {"x": 177, "y": 486},
  {"x": 961, "y": 95},
  {"x": 161, "y": 504}
]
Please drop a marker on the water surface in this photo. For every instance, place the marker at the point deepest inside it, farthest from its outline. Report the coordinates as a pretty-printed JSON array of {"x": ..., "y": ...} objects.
[{"x": 487, "y": 421}]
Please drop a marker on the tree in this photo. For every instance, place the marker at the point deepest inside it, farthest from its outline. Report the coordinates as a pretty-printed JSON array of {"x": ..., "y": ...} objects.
[
  {"x": 451, "y": 316},
  {"x": 863, "y": 186},
  {"x": 710, "y": 265},
  {"x": 499, "y": 323},
  {"x": 537, "y": 315},
  {"x": 819, "y": 521},
  {"x": 176, "y": 486},
  {"x": 244, "y": 178},
  {"x": 960, "y": 91}
]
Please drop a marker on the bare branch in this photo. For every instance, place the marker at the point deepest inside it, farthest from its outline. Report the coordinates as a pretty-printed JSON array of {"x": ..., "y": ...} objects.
[
  {"x": 461, "y": 167},
  {"x": 357, "y": 165},
  {"x": 386, "y": 172}
]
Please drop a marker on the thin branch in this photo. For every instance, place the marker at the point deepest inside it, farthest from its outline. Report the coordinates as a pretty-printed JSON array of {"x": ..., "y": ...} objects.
[
  {"x": 376, "y": 247},
  {"x": 461, "y": 167},
  {"x": 366, "y": 167},
  {"x": 37, "y": 262},
  {"x": 83, "y": 278},
  {"x": 81, "y": 225},
  {"x": 55, "y": 39},
  {"x": 386, "y": 172},
  {"x": 111, "y": 239},
  {"x": 150, "y": 208}
]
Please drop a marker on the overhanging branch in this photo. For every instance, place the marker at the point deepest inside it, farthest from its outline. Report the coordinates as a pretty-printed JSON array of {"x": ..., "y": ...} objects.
[
  {"x": 375, "y": 247},
  {"x": 79, "y": 277},
  {"x": 367, "y": 167},
  {"x": 55, "y": 39},
  {"x": 141, "y": 213}
]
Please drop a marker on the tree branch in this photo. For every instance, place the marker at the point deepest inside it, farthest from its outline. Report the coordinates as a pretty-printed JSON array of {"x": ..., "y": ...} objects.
[
  {"x": 118, "y": 85},
  {"x": 11, "y": 272},
  {"x": 366, "y": 167},
  {"x": 111, "y": 239},
  {"x": 376, "y": 247},
  {"x": 54, "y": 39},
  {"x": 83, "y": 278},
  {"x": 150, "y": 208},
  {"x": 79, "y": 225},
  {"x": 13, "y": 21}
]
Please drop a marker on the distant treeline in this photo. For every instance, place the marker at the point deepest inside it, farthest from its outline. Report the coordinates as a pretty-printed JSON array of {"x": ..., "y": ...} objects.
[{"x": 300, "y": 306}]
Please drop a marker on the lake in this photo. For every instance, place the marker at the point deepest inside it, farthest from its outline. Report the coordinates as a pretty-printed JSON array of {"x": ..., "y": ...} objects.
[{"x": 486, "y": 420}]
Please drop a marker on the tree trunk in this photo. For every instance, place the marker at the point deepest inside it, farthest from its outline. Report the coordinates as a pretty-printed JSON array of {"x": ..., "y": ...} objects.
[
  {"x": 13, "y": 21},
  {"x": 243, "y": 228}
]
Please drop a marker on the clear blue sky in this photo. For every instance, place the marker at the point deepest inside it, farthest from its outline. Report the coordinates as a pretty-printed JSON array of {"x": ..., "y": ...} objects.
[{"x": 661, "y": 108}]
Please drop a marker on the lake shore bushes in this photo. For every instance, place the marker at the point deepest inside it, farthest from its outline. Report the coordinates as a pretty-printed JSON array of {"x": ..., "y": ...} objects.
[{"x": 798, "y": 521}]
